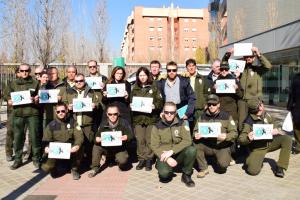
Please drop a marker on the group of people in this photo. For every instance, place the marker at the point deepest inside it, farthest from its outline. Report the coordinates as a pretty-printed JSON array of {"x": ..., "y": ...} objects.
[{"x": 169, "y": 134}]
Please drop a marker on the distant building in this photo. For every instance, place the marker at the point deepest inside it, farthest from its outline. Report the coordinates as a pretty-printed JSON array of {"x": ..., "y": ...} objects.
[{"x": 164, "y": 34}]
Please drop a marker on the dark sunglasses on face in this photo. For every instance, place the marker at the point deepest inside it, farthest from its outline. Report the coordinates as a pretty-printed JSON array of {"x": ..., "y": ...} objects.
[
  {"x": 93, "y": 66},
  {"x": 112, "y": 114},
  {"x": 212, "y": 104},
  {"x": 60, "y": 111},
  {"x": 169, "y": 112},
  {"x": 171, "y": 70},
  {"x": 27, "y": 70},
  {"x": 37, "y": 73},
  {"x": 224, "y": 69},
  {"x": 79, "y": 81}
]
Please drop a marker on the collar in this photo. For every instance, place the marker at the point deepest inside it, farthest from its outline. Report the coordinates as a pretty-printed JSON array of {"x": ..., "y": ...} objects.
[{"x": 173, "y": 82}]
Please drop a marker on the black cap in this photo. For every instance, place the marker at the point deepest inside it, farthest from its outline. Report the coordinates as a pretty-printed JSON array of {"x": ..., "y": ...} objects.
[{"x": 212, "y": 98}]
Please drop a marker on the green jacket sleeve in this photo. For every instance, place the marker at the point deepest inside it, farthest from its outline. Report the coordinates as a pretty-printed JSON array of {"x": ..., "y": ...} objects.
[
  {"x": 78, "y": 135},
  {"x": 155, "y": 142},
  {"x": 47, "y": 135},
  {"x": 157, "y": 101},
  {"x": 186, "y": 139},
  {"x": 231, "y": 134},
  {"x": 243, "y": 138}
]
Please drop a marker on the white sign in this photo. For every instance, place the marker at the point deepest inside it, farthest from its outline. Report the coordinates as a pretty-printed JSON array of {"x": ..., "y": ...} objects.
[
  {"x": 142, "y": 104},
  {"x": 48, "y": 96},
  {"x": 59, "y": 150},
  {"x": 235, "y": 65},
  {"x": 111, "y": 138},
  {"x": 209, "y": 129},
  {"x": 262, "y": 131},
  {"x": 115, "y": 90},
  {"x": 242, "y": 49},
  {"x": 82, "y": 105},
  {"x": 21, "y": 97},
  {"x": 225, "y": 86},
  {"x": 94, "y": 82}
]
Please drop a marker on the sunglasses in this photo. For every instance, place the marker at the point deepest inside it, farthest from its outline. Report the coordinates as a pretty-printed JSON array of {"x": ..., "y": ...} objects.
[
  {"x": 27, "y": 70},
  {"x": 212, "y": 104},
  {"x": 171, "y": 70},
  {"x": 93, "y": 66},
  {"x": 79, "y": 81},
  {"x": 169, "y": 112},
  {"x": 37, "y": 73},
  {"x": 60, "y": 111},
  {"x": 112, "y": 114},
  {"x": 224, "y": 69}
]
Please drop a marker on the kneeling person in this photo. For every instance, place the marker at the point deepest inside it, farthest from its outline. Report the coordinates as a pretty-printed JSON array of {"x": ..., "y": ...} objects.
[
  {"x": 112, "y": 123},
  {"x": 65, "y": 130},
  {"x": 218, "y": 146},
  {"x": 171, "y": 143},
  {"x": 259, "y": 148}
]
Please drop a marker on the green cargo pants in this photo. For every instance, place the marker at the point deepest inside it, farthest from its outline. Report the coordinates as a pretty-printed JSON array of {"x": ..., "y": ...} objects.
[
  {"x": 297, "y": 137},
  {"x": 255, "y": 159},
  {"x": 143, "y": 138},
  {"x": 186, "y": 157},
  {"x": 32, "y": 123},
  {"x": 9, "y": 134}
]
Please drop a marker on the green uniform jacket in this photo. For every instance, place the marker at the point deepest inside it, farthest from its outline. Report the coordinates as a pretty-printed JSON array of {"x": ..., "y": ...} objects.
[
  {"x": 251, "y": 78},
  {"x": 140, "y": 118},
  {"x": 87, "y": 117},
  {"x": 248, "y": 127},
  {"x": 201, "y": 92},
  {"x": 123, "y": 126},
  {"x": 175, "y": 136},
  {"x": 21, "y": 84},
  {"x": 66, "y": 131},
  {"x": 228, "y": 127}
]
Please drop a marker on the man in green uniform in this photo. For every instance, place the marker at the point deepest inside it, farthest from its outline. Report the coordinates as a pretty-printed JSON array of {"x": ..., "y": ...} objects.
[
  {"x": 26, "y": 114},
  {"x": 250, "y": 79},
  {"x": 63, "y": 130},
  {"x": 112, "y": 123},
  {"x": 259, "y": 148},
  {"x": 218, "y": 146},
  {"x": 171, "y": 143}
]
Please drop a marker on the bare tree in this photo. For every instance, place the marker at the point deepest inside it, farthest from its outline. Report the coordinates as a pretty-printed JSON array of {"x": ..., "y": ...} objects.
[
  {"x": 101, "y": 27},
  {"x": 49, "y": 22}
]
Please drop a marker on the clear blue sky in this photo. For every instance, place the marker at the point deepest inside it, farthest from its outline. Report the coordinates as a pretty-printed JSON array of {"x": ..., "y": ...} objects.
[{"x": 119, "y": 10}]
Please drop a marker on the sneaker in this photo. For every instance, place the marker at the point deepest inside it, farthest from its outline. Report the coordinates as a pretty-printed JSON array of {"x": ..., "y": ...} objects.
[
  {"x": 94, "y": 172},
  {"x": 279, "y": 172},
  {"x": 16, "y": 165},
  {"x": 141, "y": 165},
  {"x": 187, "y": 180},
  {"x": 148, "y": 166},
  {"x": 75, "y": 174},
  {"x": 202, "y": 173}
]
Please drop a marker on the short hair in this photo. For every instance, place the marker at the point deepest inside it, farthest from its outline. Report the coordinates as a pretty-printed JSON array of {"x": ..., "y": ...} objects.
[
  {"x": 51, "y": 68},
  {"x": 190, "y": 61},
  {"x": 80, "y": 74},
  {"x": 25, "y": 64},
  {"x": 155, "y": 62},
  {"x": 43, "y": 72},
  {"x": 92, "y": 61},
  {"x": 72, "y": 66},
  {"x": 216, "y": 60},
  {"x": 112, "y": 105},
  {"x": 169, "y": 103},
  {"x": 61, "y": 104},
  {"x": 171, "y": 63},
  {"x": 147, "y": 72}
]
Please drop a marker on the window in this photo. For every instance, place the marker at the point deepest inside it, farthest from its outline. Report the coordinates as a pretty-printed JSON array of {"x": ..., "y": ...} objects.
[
  {"x": 151, "y": 28},
  {"x": 186, "y": 39},
  {"x": 159, "y": 38},
  {"x": 194, "y": 20},
  {"x": 186, "y": 20},
  {"x": 186, "y": 30},
  {"x": 151, "y": 19},
  {"x": 159, "y": 47},
  {"x": 159, "y": 19},
  {"x": 151, "y": 38},
  {"x": 159, "y": 29},
  {"x": 194, "y": 29},
  {"x": 194, "y": 39},
  {"x": 186, "y": 48},
  {"x": 194, "y": 48}
]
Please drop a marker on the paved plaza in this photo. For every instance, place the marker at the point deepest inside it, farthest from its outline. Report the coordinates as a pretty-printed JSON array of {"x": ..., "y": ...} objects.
[{"x": 30, "y": 184}]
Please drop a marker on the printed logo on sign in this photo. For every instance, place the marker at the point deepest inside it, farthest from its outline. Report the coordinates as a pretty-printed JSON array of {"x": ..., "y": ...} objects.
[
  {"x": 18, "y": 98},
  {"x": 233, "y": 66},
  {"x": 79, "y": 105},
  {"x": 260, "y": 132},
  {"x": 112, "y": 91},
  {"x": 223, "y": 86},
  {"x": 108, "y": 138},
  {"x": 56, "y": 150},
  {"x": 45, "y": 96},
  {"x": 206, "y": 130}
]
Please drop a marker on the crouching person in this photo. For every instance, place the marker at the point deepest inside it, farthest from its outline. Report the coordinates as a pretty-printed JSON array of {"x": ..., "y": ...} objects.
[
  {"x": 112, "y": 123},
  {"x": 65, "y": 130},
  {"x": 171, "y": 143},
  {"x": 259, "y": 148},
  {"x": 218, "y": 145}
]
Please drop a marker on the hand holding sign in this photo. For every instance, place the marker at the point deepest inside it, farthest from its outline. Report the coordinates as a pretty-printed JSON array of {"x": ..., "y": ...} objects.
[
  {"x": 111, "y": 138},
  {"x": 115, "y": 90},
  {"x": 21, "y": 97},
  {"x": 142, "y": 104},
  {"x": 209, "y": 129},
  {"x": 262, "y": 131},
  {"x": 94, "y": 82},
  {"x": 59, "y": 150},
  {"x": 242, "y": 49},
  {"x": 48, "y": 96}
]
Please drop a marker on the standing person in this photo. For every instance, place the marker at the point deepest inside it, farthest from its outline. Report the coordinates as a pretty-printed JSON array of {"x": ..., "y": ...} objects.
[
  {"x": 65, "y": 130},
  {"x": 250, "y": 79},
  {"x": 27, "y": 114},
  {"x": 68, "y": 80},
  {"x": 85, "y": 120},
  {"x": 214, "y": 73},
  {"x": 9, "y": 125},
  {"x": 155, "y": 68},
  {"x": 178, "y": 89},
  {"x": 118, "y": 75},
  {"x": 259, "y": 148},
  {"x": 112, "y": 122},
  {"x": 143, "y": 122},
  {"x": 220, "y": 146},
  {"x": 200, "y": 88},
  {"x": 171, "y": 143},
  {"x": 93, "y": 72},
  {"x": 37, "y": 72},
  {"x": 294, "y": 106}
]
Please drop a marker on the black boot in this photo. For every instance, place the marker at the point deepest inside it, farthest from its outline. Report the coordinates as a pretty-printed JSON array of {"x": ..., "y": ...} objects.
[
  {"x": 279, "y": 172},
  {"x": 75, "y": 174},
  {"x": 187, "y": 180},
  {"x": 148, "y": 165},
  {"x": 16, "y": 165},
  {"x": 141, "y": 165}
]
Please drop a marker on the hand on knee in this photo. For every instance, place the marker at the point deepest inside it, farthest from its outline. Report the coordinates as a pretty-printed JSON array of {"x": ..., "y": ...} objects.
[{"x": 171, "y": 162}]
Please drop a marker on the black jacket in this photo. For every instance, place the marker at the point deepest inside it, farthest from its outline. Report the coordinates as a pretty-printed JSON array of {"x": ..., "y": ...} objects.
[{"x": 294, "y": 100}]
